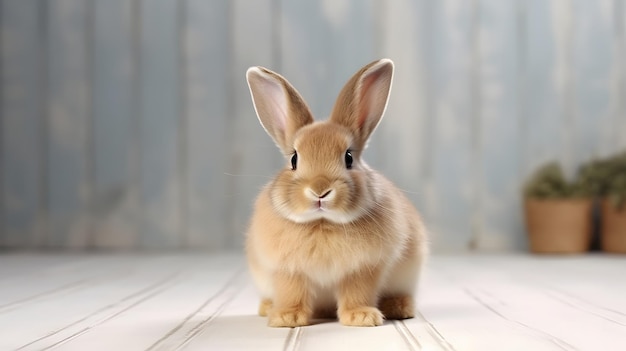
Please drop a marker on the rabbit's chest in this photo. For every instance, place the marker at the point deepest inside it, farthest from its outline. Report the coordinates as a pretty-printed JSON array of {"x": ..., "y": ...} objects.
[{"x": 326, "y": 255}]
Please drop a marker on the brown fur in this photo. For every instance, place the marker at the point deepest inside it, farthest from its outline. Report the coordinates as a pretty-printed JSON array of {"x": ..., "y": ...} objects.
[{"x": 366, "y": 241}]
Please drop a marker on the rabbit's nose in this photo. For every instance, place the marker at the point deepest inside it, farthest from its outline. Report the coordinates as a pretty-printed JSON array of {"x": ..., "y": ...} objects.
[
  {"x": 326, "y": 194},
  {"x": 320, "y": 187},
  {"x": 317, "y": 196}
]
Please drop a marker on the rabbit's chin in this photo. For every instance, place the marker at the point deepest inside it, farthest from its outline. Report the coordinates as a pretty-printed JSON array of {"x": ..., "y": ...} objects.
[{"x": 319, "y": 214}]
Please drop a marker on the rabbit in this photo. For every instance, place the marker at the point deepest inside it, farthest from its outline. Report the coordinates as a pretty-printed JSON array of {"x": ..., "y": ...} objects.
[{"x": 329, "y": 236}]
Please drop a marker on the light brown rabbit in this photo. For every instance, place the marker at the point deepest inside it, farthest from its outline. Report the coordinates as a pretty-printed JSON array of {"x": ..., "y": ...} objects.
[{"x": 329, "y": 234}]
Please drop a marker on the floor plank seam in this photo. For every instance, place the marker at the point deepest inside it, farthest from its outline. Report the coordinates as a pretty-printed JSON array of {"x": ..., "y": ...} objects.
[
  {"x": 66, "y": 288},
  {"x": 408, "y": 337},
  {"x": 563, "y": 345},
  {"x": 89, "y": 328},
  {"x": 434, "y": 332},
  {"x": 60, "y": 290},
  {"x": 202, "y": 325},
  {"x": 584, "y": 310},
  {"x": 139, "y": 297},
  {"x": 293, "y": 339},
  {"x": 586, "y": 302},
  {"x": 229, "y": 291}
]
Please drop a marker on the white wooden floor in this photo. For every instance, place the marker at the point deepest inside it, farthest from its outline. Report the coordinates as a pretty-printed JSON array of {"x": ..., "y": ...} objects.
[{"x": 200, "y": 302}]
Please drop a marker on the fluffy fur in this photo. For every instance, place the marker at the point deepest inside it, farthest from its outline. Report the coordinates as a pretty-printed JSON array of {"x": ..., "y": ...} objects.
[{"x": 326, "y": 238}]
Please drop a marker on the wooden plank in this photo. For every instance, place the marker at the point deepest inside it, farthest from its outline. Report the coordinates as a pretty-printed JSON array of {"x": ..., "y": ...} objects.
[
  {"x": 69, "y": 114},
  {"x": 21, "y": 125},
  {"x": 115, "y": 203},
  {"x": 224, "y": 333},
  {"x": 584, "y": 284},
  {"x": 489, "y": 328},
  {"x": 517, "y": 298},
  {"x": 333, "y": 336},
  {"x": 100, "y": 298},
  {"x": 48, "y": 281},
  {"x": 161, "y": 311},
  {"x": 500, "y": 143},
  {"x": 207, "y": 61},
  {"x": 160, "y": 185},
  {"x": 253, "y": 156},
  {"x": 442, "y": 302}
]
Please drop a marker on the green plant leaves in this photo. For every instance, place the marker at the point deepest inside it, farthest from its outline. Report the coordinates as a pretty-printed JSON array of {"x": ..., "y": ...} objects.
[
  {"x": 548, "y": 182},
  {"x": 600, "y": 177}
]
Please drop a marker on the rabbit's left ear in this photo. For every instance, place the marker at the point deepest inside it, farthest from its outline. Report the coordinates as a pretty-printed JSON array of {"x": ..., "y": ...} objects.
[
  {"x": 363, "y": 100},
  {"x": 280, "y": 108}
]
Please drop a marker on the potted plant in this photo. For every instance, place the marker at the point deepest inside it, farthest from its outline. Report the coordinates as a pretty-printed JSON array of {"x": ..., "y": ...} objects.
[
  {"x": 613, "y": 234},
  {"x": 557, "y": 211}
]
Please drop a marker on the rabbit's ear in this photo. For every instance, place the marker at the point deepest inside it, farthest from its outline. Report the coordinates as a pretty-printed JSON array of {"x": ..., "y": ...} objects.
[
  {"x": 363, "y": 100},
  {"x": 280, "y": 108}
]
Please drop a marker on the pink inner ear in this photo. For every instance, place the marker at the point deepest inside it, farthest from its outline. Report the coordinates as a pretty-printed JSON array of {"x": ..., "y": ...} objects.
[
  {"x": 368, "y": 84},
  {"x": 278, "y": 104}
]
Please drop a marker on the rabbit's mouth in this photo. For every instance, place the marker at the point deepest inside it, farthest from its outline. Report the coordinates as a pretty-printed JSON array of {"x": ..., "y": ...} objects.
[
  {"x": 316, "y": 205},
  {"x": 322, "y": 211}
]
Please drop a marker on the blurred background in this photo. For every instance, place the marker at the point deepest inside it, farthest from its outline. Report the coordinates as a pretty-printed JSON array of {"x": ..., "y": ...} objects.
[{"x": 128, "y": 124}]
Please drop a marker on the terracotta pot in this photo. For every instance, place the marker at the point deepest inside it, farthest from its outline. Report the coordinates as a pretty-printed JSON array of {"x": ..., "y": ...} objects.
[
  {"x": 613, "y": 235},
  {"x": 559, "y": 226}
]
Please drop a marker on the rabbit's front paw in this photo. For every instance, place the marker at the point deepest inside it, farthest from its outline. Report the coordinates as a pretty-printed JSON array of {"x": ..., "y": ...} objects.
[
  {"x": 361, "y": 317},
  {"x": 289, "y": 317}
]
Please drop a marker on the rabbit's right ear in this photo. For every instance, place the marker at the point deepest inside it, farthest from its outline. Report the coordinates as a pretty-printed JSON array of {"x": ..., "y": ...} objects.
[{"x": 279, "y": 107}]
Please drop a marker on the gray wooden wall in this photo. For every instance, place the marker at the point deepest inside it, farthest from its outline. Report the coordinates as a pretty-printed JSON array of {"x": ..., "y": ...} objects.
[{"x": 128, "y": 124}]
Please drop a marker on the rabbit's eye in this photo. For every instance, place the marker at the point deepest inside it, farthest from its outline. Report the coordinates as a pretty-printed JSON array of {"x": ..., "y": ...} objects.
[
  {"x": 349, "y": 159},
  {"x": 294, "y": 161}
]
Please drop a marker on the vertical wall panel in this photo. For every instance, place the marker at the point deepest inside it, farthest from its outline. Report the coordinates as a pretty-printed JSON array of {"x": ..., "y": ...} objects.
[
  {"x": 402, "y": 142},
  {"x": 500, "y": 142},
  {"x": 253, "y": 156},
  {"x": 207, "y": 61},
  {"x": 614, "y": 130},
  {"x": 543, "y": 120},
  {"x": 323, "y": 44},
  {"x": 564, "y": 25},
  {"x": 592, "y": 71},
  {"x": 21, "y": 124},
  {"x": 2, "y": 87},
  {"x": 115, "y": 203},
  {"x": 306, "y": 35},
  {"x": 160, "y": 187},
  {"x": 619, "y": 58},
  {"x": 453, "y": 187},
  {"x": 68, "y": 114}
]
